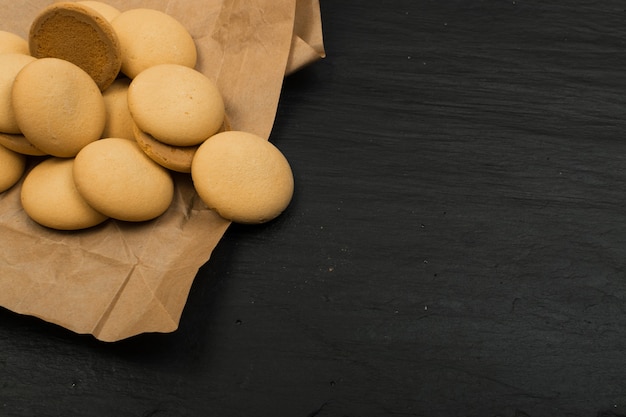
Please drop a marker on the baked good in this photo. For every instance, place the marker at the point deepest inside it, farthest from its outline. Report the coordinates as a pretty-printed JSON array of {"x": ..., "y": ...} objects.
[
  {"x": 106, "y": 10},
  {"x": 10, "y": 65},
  {"x": 10, "y": 43},
  {"x": 12, "y": 165},
  {"x": 79, "y": 34},
  {"x": 18, "y": 143},
  {"x": 175, "y": 158},
  {"x": 243, "y": 177},
  {"x": 57, "y": 117},
  {"x": 119, "y": 123},
  {"x": 118, "y": 179},
  {"x": 176, "y": 104},
  {"x": 50, "y": 198},
  {"x": 150, "y": 37}
]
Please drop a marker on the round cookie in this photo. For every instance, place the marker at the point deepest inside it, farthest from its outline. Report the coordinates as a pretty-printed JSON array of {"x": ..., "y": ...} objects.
[
  {"x": 57, "y": 117},
  {"x": 10, "y": 65},
  {"x": 10, "y": 43},
  {"x": 79, "y": 34},
  {"x": 243, "y": 177},
  {"x": 106, "y": 10},
  {"x": 175, "y": 158},
  {"x": 18, "y": 143},
  {"x": 49, "y": 197},
  {"x": 176, "y": 104},
  {"x": 119, "y": 123},
  {"x": 12, "y": 166},
  {"x": 150, "y": 37},
  {"x": 118, "y": 179}
]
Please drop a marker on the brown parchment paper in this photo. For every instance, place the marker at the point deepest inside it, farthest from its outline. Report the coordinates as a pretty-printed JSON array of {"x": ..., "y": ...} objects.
[{"x": 121, "y": 279}]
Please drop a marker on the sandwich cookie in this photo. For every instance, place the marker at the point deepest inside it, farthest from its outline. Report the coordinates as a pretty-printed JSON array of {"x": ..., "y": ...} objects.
[
  {"x": 10, "y": 43},
  {"x": 12, "y": 166},
  {"x": 50, "y": 198},
  {"x": 175, "y": 158},
  {"x": 243, "y": 177},
  {"x": 150, "y": 37},
  {"x": 10, "y": 66},
  {"x": 176, "y": 105},
  {"x": 119, "y": 123},
  {"x": 18, "y": 143},
  {"x": 119, "y": 180},
  {"x": 58, "y": 106},
  {"x": 106, "y": 10}
]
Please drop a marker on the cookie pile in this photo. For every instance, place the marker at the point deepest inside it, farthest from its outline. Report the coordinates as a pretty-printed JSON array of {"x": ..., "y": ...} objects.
[{"x": 105, "y": 105}]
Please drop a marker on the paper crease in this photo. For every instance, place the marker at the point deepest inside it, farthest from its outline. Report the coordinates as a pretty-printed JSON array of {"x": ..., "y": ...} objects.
[{"x": 117, "y": 280}]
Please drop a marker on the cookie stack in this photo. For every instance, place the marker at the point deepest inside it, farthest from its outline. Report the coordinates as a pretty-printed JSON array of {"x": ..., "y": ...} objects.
[{"x": 99, "y": 107}]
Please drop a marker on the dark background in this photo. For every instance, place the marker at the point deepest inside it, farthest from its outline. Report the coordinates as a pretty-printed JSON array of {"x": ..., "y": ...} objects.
[{"x": 455, "y": 246}]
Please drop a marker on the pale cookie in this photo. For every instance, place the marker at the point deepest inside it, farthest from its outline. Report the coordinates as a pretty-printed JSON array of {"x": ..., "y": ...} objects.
[
  {"x": 175, "y": 158},
  {"x": 106, "y": 10},
  {"x": 58, "y": 107},
  {"x": 176, "y": 104},
  {"x": 50, "y": 198},
  {"x": 118, "y": 179},
  {"x": 150, "y": 37},
  {"x": 18, "y": 143},
  {"x": 79, "y": 34},
  {"x": 119, "y": 123},
  {"x": 10, "y": 43},
  {"x": 12, "y": 165},
  {"x": 10, "y": 65},
  {"x": 243, "y": 177}
]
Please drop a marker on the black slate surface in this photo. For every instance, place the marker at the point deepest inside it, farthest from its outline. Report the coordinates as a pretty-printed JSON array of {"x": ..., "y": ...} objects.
[{"x": 455, "y": 246}]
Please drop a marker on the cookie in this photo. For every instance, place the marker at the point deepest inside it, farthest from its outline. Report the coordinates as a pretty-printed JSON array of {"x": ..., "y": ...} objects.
[
  {"x": 10, "y": 43},
  {"x": 150, "y": 37},
  {"x": 10, "y": 65},
  {"x": 106, "y": 10},
  {"x": 50, "y": 198},
  {"x": 243, "y": 177},
  {"x": 119, "y": 123},
  {"x": 79, "y": 34},
  {"x": 18, "y": 143},
  {"x": 12, "y": 165},
  {"x": 119, "y": 180},
  {"x": 175, "y": 158},
  {"x": 176, "y": 104},
  {"x": 58, "y": 106}
]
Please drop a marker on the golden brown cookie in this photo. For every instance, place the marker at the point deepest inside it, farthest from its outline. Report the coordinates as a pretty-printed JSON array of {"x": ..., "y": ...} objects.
[
  {"x": 10, "y": 65},
  {"x": 176, "y": 104},
  {"x": 62, "y": 116},
  {"x": 119, "y": 122},
  {"x": 118, "y": 179},
  {"x": 18, "y": 143},
  {"x": 10, "y": 43},
  {"x": 79, "y": 34},
  {"x": 150, "y": 37},
  {"x": 12, "y": 165},
  {"x": 243, "y": 177},
  {"x": 106, "y": 10},
  {"x": 49, "y": 197},
  {"x": 175, "y": 158}
]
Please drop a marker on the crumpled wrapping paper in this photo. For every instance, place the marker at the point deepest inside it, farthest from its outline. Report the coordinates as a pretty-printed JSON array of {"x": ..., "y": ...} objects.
[{"x": 121, "y": 279}]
